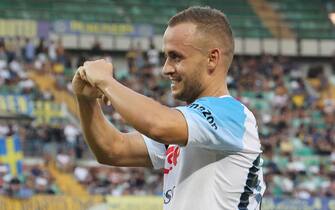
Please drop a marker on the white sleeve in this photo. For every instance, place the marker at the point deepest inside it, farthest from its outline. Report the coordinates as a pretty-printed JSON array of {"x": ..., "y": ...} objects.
[
  {"x": 207, "y": 131},
  {"x": 156, "y": 152}
]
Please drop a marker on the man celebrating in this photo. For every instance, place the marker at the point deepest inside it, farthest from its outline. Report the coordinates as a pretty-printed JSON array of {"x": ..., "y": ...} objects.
[{"x": 209, "y": 149}]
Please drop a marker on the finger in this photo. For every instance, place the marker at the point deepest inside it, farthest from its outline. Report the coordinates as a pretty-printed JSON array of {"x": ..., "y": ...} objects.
[
  {"x": 109, "y": 63},
  {"x": 82, "y": 73},
  {"x": 84, "y": 76},
  {"x": 101, "y": 97},
  {"x": 78, "y": 70},
  {"x": 104, "y": 99},
  {"x": 86, "y": 63}
]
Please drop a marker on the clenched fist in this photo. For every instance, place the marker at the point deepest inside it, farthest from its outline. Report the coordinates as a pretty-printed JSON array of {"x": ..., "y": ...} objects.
[
  {"x": 98, "y": 72},
  {"x": 82, "y": 88}
]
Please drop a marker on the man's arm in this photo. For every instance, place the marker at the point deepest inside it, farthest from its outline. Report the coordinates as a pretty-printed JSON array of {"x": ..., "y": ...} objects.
[
  {"x": 159, "y": 122},
  {"x": 109, "y": 145},
  {"x": 166, "y": 125}
]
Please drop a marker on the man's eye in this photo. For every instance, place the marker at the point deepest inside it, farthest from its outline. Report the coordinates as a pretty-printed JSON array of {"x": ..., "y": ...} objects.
[{"x": 175, "y": 57}]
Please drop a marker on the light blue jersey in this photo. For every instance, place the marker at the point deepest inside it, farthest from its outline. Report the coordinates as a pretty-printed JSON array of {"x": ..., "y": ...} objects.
[{"x": 220, "y": 167}]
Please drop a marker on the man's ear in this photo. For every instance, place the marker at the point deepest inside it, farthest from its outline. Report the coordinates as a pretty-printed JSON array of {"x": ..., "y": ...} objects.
[{"x": 213, "y": 59}]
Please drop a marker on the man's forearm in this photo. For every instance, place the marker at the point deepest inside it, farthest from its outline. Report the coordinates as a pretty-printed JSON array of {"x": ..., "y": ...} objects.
[
  {"x": 98, "y": 132},
  {"x": 143, "y": 113}
]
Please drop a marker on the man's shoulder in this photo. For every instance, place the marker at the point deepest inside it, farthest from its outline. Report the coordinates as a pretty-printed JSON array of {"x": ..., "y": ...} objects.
[
  {"x": 227, "y": 104},
  {"x": 221, "y": 109}
]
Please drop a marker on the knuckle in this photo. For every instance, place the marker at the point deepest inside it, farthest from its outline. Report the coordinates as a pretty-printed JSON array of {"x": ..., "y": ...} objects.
[{"x": 88, "y": 63}]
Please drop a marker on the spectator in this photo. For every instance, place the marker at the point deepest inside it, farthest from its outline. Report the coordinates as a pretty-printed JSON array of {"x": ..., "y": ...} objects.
[
  {"x": 29, "y": 51},
  {"x": 71, "y": 133}
]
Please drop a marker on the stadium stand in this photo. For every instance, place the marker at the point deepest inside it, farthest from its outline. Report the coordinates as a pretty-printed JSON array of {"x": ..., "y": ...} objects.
[
  {"x": 298, "y": 19},
  {"x": 243, "y": 19},
  {"x": 304, "y": 19},
  {"x": 307, "y": 19},
  {"x": 119, "y": 181},
  {"x": 271, "y": 19}
]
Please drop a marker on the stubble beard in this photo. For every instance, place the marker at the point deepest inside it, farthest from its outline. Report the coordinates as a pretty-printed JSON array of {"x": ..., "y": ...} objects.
[{"x": 191, "y": 90}]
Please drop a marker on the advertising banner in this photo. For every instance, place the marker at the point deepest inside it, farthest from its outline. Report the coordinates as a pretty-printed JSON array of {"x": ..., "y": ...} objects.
[
  {"x": 117, "y": 29},
  {"x": 134, "y": 202},
  {"x": 32, "y": 28},
  {"x": 298, "y": 204}
]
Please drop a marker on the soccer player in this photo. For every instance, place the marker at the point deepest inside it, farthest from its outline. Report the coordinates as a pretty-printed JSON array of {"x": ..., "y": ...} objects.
[{"x": 209, "y": 149}]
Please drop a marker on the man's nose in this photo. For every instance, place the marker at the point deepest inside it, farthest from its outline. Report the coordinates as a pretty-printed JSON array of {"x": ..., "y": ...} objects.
[{"x": 167, "y": 69}]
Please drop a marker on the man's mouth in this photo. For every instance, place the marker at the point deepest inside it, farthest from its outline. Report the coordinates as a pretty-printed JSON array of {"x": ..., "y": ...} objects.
[{"x": 174, "y": 82}]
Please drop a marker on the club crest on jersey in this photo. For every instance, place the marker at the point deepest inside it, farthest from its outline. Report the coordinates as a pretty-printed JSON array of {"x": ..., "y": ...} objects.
[
  {"x": 172, "y": 154},
  {"x": 206, "y": 113}
]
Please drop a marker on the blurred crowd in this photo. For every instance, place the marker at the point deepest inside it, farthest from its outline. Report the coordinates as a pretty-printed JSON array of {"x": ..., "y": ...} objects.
[
  {"x": 294, "y": 104},
  {"x": 19, "y": 54},
  {"x": 119, "y": 181},
  {"x": 293, "y": 101},
  {"x": 35, "y": 180}
]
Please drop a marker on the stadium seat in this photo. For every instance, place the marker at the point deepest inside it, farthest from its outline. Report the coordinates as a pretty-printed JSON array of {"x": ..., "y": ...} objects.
[
  {"x": 305, "y": 18},
  {"x": 243, "y": 19}
]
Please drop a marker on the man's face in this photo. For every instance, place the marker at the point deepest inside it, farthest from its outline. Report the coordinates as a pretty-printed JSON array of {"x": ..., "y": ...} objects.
[{"x": 186, "y": 61}]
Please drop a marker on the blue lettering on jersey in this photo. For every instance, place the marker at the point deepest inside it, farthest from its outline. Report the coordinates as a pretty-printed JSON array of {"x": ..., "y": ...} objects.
[
  {"x": 225, "y": 122},
  {"x": 229, "y": 114},
  {"x": 206, "y": 113}
]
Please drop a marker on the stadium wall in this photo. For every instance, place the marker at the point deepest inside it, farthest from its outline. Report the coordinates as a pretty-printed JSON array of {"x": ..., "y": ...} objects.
[{"x": 243, "y": 46}]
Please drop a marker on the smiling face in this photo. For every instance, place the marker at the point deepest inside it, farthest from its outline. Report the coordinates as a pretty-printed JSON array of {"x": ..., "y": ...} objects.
[{"x": 186, "y": 61}]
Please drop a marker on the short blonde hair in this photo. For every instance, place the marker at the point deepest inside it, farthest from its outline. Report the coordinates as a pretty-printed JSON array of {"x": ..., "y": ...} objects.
[{"x": 212, "y": 22}]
